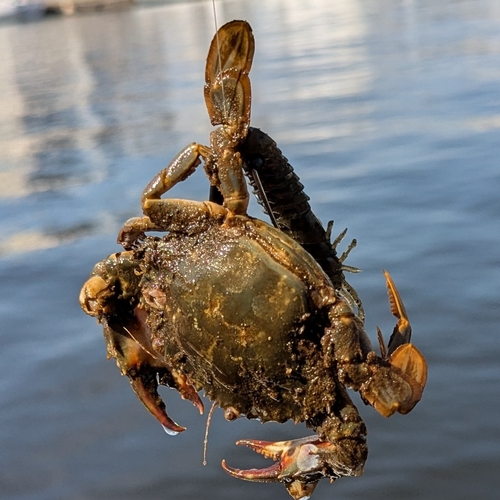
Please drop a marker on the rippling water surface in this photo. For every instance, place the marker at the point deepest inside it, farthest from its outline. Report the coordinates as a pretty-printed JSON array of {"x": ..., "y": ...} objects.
[{"x": 390, "y": 113}]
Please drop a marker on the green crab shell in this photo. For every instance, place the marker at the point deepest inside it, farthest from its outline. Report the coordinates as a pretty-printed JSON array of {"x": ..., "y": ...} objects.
[{"x": 240, "y": 321}]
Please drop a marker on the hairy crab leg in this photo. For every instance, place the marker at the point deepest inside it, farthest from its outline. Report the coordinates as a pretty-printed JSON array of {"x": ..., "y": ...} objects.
[
  {"x": 289, "y": 203},
  {"x": 227, "y": 95},
  {"x": 228, "y": 100},
  {"x": 124, "y": 339}
]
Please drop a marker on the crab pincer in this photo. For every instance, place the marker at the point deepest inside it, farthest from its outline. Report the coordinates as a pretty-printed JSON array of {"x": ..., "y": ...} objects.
[
  {"x": 294, "y": 460},
  {"x": 299, "y": 463}
]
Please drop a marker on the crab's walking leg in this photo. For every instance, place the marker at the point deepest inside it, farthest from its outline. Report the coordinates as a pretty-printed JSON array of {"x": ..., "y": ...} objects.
[
  {"x": 227, "y": 85},
  {"x": 179, "y": 169},
  {"x": 403, "y": 357},
  {"x": 393, "y": 383},
  {"x": 128, "y": 342},
  {"x": 228, "y": 100},
  {"x": 186, "y": 216},
  {"x": 228, "y": 96}
]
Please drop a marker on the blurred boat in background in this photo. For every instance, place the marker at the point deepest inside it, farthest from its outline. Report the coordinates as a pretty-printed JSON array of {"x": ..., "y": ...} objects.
[
  {"x": 34, "y": 9},
  {"x": 8, "y": 9},
  {"x": 71, "y": 6}
]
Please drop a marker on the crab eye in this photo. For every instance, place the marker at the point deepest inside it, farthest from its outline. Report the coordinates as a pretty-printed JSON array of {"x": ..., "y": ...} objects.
[{"x": 94, "y": 296}]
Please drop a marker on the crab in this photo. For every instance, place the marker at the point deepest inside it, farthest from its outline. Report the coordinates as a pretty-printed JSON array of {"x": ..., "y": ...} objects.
[{"x": 226, "y": 304}]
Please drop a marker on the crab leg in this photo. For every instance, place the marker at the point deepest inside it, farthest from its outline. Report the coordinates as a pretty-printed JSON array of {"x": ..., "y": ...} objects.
[
  {"x": 145, "y": 372},
  {"x": 227, "y": 85},
  {"x": 393, "y": 383},
  {"x": 125, "y": 343},
  {"x": 403, "y": 357},
  {"x": 171, "y": 214},
  {"x": 179, "y": 169},
  {"x": 227, "y": 96}
]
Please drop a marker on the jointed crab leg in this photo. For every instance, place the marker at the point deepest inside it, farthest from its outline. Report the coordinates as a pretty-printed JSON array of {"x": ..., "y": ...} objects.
[
  {"x": 227, "y": 96},
  {"x": 125, "y": 340},
  {"x": 289, "y": 203},
  {"x": 398, "y": 384},
  {"x": 339, "y": 451}
]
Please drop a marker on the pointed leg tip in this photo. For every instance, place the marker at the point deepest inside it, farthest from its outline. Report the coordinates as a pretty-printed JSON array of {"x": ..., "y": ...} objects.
[
  {"x": 188, "y": 391},
  {"x": 230, "y": 470},
  {"x": 253, "y": 443},
  {"x": 295, "y": 461},
  {"x": 298, "y": 490}
]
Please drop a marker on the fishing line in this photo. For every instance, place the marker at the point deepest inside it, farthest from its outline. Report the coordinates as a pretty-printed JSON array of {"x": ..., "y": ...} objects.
[{"x": 219, "y": 57}]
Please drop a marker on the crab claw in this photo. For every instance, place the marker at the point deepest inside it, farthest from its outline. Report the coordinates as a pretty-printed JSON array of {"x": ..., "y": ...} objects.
[
  {"x": 127, "y": 342},
  {"x": 399, "y": 387},
  {"x": 300, "y": 464},
  {"x": 144, "y": 384},
  {"x": 186, "y": 390}
]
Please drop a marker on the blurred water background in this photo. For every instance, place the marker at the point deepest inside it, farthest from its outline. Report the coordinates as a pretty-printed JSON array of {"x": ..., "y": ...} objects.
[{"x": 390, "y": 112}]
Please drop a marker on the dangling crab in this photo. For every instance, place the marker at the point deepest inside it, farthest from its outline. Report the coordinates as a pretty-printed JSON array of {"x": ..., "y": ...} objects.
[{"x": 227, "y": 304}]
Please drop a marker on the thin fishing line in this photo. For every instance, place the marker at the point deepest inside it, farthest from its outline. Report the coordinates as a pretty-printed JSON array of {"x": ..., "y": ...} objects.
[{"x": 219, "y": 57}]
